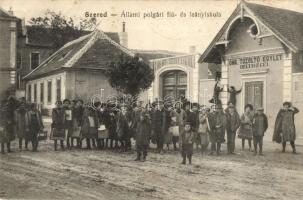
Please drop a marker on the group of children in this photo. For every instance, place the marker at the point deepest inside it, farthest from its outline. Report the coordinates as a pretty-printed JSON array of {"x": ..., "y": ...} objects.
[{"x": 111, "y": 125}]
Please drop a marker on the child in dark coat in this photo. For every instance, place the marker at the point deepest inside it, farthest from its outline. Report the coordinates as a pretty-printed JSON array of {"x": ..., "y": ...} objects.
[
  {"x": 142, "y": 135},
  {"x": 186, "y": 141}
]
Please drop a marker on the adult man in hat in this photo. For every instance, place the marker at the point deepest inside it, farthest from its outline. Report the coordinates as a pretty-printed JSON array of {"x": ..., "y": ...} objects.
[
  {"x": 260, "y": 125},
  {"x": 233, "y": 123},
  {"x": 218, "y": 123},
  {"x": 285, "y": 130}
]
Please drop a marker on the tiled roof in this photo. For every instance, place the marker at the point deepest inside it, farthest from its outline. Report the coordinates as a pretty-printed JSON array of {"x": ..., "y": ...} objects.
[
  {"x": 287, "y": 25},
  {"x": 94, "y": 50},
  {"x": 44, "y": 36}
]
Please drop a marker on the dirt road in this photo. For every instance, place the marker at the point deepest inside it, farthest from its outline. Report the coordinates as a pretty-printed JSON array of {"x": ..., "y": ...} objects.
[{"x": 92, "y": 174}]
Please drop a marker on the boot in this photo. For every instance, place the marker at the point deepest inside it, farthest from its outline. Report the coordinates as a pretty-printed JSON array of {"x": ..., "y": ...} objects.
[
  {"x": 20, "y": 144},
  {"x": 144, "y": 158},
  {"x": 260, "y": 150},
  {"x": 62, "y": 145},
  {"x": 26, "y": 145},
  {"x": 55, "y": 145},
  {"x": 283, "y": 147},
  {"x": 2, "y": 148},
  {"x": 293, "y": 148},
  {"x": 184, "y": 160},
  {"x": 189, "y": 159},
  {"x": 8, "y": 147},
  {"x": 138, "y": 156},
  {"x": 218, "y": 149},
  {"x": 255, "y": 148}
]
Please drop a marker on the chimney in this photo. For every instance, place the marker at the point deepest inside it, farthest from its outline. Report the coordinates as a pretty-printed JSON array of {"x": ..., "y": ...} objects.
[
  {"x": 123, "y": 36},
  {"x": 23, "y": 27},
  {"x": 123, "y": 27},
  {"x": 192, "y": 49},
  {"x": 11, "y": 12}
]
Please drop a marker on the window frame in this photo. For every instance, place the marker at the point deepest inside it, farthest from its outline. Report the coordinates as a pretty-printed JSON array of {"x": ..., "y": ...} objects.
[
  {"x": 49, "y": 91},
  {"x": 30, "y": 59}
]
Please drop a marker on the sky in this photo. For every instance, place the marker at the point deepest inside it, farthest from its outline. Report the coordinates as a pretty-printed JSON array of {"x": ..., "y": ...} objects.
[{"x": 176, "y": 32}]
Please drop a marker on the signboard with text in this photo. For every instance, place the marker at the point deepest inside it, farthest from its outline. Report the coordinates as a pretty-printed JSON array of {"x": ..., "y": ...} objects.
[{"x": 255, "y": 62}]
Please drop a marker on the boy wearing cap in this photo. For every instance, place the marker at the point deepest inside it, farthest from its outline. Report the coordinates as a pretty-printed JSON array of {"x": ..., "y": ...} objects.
[
  {"x": 260, "y": 125},
  {"x": 186, "y": 141}
]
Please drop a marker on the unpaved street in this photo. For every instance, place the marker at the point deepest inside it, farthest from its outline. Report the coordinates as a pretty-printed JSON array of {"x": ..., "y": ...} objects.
[{"x": 85, "y": 174}]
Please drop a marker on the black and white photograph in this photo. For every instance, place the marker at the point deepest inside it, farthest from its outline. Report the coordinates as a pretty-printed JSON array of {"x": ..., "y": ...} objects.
[{"x": 151, "y": 99}]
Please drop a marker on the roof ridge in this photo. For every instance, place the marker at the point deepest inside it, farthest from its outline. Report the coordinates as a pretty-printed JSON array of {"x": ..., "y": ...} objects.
[
  {"x": 275, "y": 8},
  {"x": 97, "y": 34},
  {"x": 78, "y": 55},
  {"x": 119, "y": 46}
]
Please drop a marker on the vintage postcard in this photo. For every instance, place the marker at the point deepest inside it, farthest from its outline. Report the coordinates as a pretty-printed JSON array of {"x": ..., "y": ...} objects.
[{"x": 150, "y": 99}]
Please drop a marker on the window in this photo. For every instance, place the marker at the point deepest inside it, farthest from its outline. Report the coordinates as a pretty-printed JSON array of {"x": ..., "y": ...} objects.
[
  {"x": 253, "y": 30},
  {"x": 35, "y": 93},
  {"x": 49, "y": 91},
  {"x": 58, "y": 84},
  {"x": 19, "y": 60},
  {"x": 41, "y": 92},
  {"x": 18, "y": 81},
  {"x": 29, "y": 93},
  {"x": 35, "y": 60}
]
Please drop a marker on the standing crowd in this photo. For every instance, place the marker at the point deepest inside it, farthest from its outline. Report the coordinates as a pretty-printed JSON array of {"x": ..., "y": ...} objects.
[{"x": 181, "y": 125}]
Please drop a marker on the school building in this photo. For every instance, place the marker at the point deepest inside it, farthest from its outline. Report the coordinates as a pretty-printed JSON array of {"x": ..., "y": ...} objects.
[{"x": 260, "y": 48}]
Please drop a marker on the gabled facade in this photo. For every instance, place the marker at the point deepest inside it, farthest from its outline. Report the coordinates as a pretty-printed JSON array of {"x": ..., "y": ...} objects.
[{"x": 260, "y": 50}]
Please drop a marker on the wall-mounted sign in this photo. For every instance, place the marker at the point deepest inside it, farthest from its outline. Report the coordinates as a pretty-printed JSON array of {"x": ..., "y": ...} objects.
[{"x": 255, "y": 61}]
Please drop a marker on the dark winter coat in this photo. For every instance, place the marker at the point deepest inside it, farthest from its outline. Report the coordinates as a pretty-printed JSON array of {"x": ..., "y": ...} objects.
[
  {"x": 218, "y": 124},
  {"x": 89, "y": 127},
  {"x": 233, "y": 121},
  {"x": 142, "y": 136},
  {"x": 20, "y": 125},
  {"x": 260, "y": 124},
  {"x": 33, "y": 122},
  {"x": 285, "y": 129},
  {"x": 158, "y": 121},
  {"x": 122, "y": 126}
]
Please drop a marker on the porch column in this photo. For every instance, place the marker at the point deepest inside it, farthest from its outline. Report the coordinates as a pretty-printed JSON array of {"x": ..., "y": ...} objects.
[
  {"x": 224, "y": 82},
  {"x": 195, "y": 80},
  {"x": 287, "y": 77}
]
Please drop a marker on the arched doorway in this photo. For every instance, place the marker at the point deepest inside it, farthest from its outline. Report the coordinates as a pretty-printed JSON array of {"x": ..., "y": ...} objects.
[{"x": 174, "y": 84}]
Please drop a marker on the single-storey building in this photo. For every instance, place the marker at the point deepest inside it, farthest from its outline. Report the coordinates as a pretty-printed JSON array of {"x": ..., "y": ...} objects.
[
  {"x": 75, "y": 71},
  {"x": 260, "y": 49}
]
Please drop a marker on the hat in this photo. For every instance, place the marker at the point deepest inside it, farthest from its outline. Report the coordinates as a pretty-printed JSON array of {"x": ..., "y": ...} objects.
[
  {"x": 195, "y": 104},
  {"x": 231, "y": 106},
  {"x": 218, "y": 106},
  {"x": 287, "y": 103},
  {"x": 260, "y": 109}
]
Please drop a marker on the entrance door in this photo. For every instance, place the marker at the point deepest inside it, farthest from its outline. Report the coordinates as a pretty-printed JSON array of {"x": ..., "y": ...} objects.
[
  {"x": 254, "y": 94},
  {"x": 174, "y": 84}
]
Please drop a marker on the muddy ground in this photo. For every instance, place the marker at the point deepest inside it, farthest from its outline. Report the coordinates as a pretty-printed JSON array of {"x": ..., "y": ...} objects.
[{"x": 108, "y": 175}]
